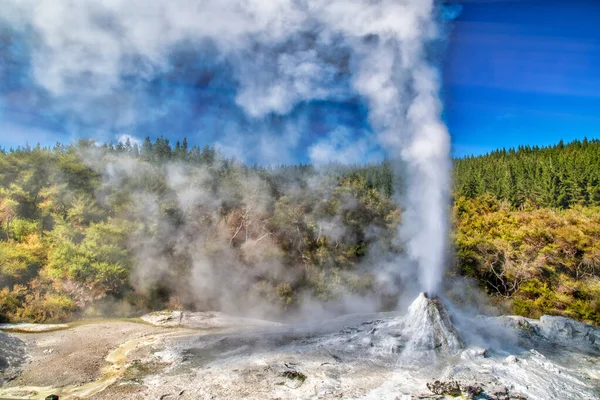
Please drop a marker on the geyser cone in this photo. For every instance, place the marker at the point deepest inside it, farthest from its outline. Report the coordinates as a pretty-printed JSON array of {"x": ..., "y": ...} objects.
[{"x": 428, "y": 327}]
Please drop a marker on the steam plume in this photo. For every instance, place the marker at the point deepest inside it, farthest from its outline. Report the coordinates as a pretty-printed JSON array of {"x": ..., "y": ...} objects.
[{"x": 280, "y": 54}]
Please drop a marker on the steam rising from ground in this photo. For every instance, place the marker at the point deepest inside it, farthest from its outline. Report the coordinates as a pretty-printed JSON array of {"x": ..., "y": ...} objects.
[{"x": 281, "y": 54}]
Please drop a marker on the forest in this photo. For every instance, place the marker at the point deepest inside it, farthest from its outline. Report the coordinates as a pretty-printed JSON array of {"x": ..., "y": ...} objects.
[{"x": 122, "y": 229}]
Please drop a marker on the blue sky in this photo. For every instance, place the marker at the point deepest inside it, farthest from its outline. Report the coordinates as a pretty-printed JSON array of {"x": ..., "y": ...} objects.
[
  {"x": 523, "y": 73},
  {"x": 515, "y": 72}
]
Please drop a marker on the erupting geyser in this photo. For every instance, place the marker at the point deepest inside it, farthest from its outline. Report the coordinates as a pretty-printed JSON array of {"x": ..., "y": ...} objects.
[{"x": 281, "y": 54}]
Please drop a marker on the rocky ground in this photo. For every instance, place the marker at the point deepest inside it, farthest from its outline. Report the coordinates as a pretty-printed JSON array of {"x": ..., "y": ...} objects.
[
  {"x": 12, "y": 355},
  {"x": 426, "y": 353}
]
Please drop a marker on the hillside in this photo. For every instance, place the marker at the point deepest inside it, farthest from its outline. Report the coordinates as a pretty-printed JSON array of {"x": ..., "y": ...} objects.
[
  {"x": 125, "y": 229},
  {"x": 560, "y": 176}
]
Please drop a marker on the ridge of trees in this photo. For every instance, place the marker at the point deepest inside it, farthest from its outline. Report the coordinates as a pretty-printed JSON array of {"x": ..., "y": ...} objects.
[
  {"x": 559, "y": 176},
  {"x": 71, "y": 237},
  {"x": 526, "y": 228}
]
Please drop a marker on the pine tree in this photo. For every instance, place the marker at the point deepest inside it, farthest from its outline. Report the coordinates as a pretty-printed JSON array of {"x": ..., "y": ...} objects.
[{"x": 147, "y": 150}]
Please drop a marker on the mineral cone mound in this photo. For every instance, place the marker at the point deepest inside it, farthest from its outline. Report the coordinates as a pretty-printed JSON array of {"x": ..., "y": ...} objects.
[
  {"x": 424, "y": 335},
  {"x": 428, "y": 327}
]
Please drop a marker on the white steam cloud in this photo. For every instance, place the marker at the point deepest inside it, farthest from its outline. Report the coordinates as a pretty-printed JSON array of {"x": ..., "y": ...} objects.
[
  {"x": 282, "y": 53},
  {"x": 124, "y": 138}
]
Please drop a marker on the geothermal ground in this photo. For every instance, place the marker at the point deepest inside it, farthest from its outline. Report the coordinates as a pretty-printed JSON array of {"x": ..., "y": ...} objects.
[{"x": 427, "y": 352}]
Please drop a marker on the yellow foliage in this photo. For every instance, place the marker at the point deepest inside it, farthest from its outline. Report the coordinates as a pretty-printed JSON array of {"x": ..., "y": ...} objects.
[{"x": 545, "y": 260}]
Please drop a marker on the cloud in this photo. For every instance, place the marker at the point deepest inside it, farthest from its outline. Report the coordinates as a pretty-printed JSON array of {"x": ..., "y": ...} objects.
[
  {"x": 341, "y": 147},
  {"x": 117, "y": 65},
  {"x": 123, "y": 138}
]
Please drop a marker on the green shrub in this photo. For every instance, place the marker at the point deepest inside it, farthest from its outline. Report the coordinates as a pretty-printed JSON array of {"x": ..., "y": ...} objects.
[
  {"x": 20, "y": 228},
  {"x": 50, "y": 307}
]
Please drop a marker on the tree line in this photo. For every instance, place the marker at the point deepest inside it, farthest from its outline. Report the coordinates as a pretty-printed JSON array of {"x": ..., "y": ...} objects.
[
  {"x": 80, "y": 222},
  {"x": 559, "y": 176}
]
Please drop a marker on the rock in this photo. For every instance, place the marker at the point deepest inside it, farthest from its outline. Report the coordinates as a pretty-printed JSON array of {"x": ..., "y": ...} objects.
[
  {"x": 503, "y": 393},
  {"x": 474, "y": 353},
  {"x": 525, "y": 326},
  {"x": 293, "y": 378},
  {"x": 556, "y": 330},
  {"x": 512, "y": 359},
  {"x": 471, "y": 391},
  {"x": 455, "y": 389},
  {"x": 499, "y": 393},
  {"x": 447, "y": 388},
  {"x": 567, "y": 332},
  {"x": 164, "y": 318},
  {"x": 517, "y": 396}
]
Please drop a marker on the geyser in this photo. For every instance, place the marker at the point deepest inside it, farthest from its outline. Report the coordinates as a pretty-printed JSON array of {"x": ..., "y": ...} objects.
[
  {"x": 424, "y": 335},
  {"x": 281, "y": 54}
]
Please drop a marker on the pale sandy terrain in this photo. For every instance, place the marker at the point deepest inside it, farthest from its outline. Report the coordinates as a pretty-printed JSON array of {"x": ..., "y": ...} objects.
[
  {"x": 75, "y": 357},
  {"x": 100, "y": 357}
]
